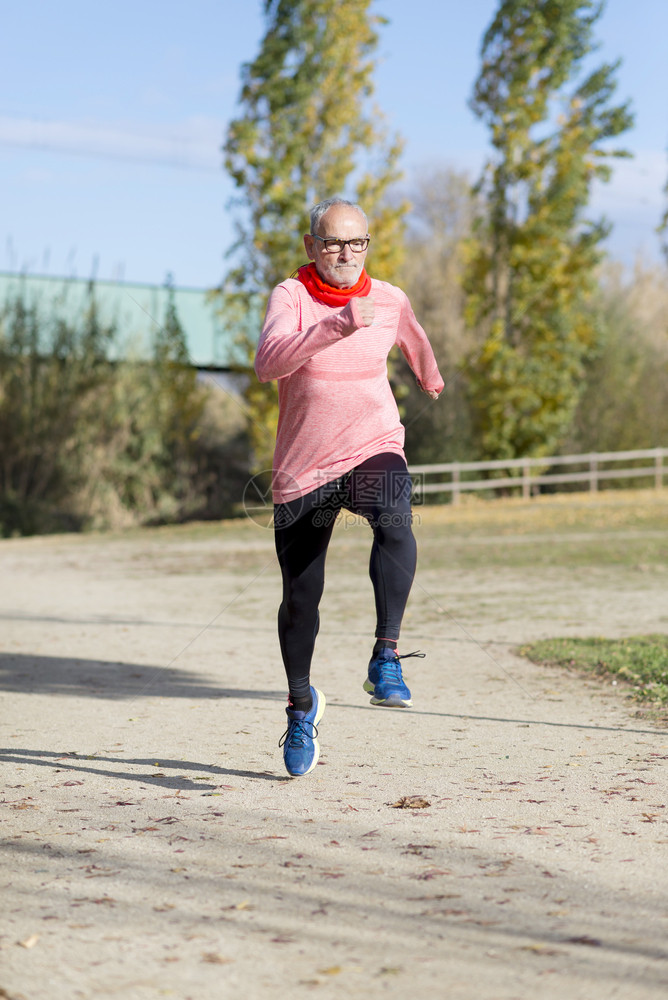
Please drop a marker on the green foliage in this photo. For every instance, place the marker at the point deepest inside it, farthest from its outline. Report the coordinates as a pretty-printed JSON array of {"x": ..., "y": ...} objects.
[
  {"x": 531, "y": 265},
  {"x": 307, "y": 131},
  {"x": 90, "y": 442},
  {"x": 624, "y": 401},
  {"x": 641, "y": 660},
  {"x": 48, "y": 373},
  {"x": 439, "y": 223},
  {"x": 179, "y": 402}
]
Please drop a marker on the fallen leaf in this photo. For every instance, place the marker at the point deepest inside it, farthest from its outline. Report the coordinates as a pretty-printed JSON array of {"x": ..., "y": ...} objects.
[
  {"x": 430, "y": 873},
  {"x": 10, "y": 996},
  {"x": 540, "y": 949},
  {"x": 215, "y": 959},
  {"x": 29, "y": 942},
  {"x": 418, "y": 848},
  {"x": 444, "y": 913},
  {"x": 409, "y": 802},
  {"x": 446, "y": 895},
  {"x": 79, "y": 900},
  {"x": 585, "y": 939}
]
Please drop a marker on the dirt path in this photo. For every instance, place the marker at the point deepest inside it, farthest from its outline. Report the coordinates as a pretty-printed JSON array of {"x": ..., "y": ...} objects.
[{"x": 153, "y": 846}]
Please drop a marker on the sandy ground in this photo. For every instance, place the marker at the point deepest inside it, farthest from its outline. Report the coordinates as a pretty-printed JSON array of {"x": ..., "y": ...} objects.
[{"x": 154, "y": 847}]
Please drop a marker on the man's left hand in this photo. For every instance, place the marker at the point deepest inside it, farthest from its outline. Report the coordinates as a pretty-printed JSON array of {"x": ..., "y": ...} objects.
[{"x": 432, "y": 393}]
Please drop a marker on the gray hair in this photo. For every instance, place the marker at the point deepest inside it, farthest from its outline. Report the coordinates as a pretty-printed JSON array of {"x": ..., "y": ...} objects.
[{"x": 319, "y": 210}]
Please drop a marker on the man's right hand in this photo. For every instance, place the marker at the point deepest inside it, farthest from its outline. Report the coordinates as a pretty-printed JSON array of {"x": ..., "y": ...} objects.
[{"x": 366, "y": 309}]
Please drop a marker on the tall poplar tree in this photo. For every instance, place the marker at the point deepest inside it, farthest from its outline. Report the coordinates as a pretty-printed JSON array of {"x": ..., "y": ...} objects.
[
  {"x": 532, "y": 262},
  {"x": 308, "y": 130}
]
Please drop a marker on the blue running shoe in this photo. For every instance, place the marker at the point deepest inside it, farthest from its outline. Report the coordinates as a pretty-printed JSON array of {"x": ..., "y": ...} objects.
[
  {"x": 385, "y": 682},
  {"x": 300, "y": 740}
]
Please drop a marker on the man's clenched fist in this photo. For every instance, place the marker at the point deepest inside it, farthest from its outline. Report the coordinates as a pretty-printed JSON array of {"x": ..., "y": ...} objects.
[{"x": 366, "y": 308}]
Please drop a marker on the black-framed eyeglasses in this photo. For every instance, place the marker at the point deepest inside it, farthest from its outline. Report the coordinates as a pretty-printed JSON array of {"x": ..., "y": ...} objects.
[{"x": 332, "y": 244}]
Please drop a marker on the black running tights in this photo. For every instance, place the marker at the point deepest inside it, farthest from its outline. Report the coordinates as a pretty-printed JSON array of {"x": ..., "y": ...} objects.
[{"x": 378, "y": 490}]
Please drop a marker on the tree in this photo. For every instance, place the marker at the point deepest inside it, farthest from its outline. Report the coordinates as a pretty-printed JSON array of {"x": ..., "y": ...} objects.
[
  {"x": 532, "y": 263},
  {"x": 308, "y": 131},
  {"x": 624, "y": 404},
  {"x": 439, "y": 223},
  {"x": 179, "y": 400},
  {"x": 90, "y": 437},
  {"x": 49, "y": 369}
]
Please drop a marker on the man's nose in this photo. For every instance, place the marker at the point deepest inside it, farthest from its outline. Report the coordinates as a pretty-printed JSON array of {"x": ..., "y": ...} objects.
[{"x": 346, "y": 252}]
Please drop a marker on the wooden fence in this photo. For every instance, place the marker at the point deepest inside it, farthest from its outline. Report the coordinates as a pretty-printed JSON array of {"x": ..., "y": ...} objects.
[{"x": 530, "y": 474}]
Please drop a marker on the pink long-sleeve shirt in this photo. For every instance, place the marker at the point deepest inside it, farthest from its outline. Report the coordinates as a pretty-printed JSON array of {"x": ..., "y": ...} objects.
[{"x": 336, "y": 406}]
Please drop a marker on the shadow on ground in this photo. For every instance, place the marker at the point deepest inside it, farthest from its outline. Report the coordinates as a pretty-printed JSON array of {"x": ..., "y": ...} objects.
[
  {"x": 71, "y": 762},
  {"x": 102, "y": 679}
]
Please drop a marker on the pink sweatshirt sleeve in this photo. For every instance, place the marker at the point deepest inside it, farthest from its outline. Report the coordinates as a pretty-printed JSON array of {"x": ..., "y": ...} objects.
[
  {"x": 284, "y": 347},
  {"x": 417, "y": 350}
]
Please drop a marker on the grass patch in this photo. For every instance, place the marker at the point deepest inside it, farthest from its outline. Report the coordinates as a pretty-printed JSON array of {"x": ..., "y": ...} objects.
[
  {"x": 621, "y": 529},
  {"x": 640, "y": 660}
]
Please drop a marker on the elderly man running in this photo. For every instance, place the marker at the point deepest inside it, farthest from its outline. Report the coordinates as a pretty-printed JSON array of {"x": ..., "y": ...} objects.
[{"x": 326, "y": 337}]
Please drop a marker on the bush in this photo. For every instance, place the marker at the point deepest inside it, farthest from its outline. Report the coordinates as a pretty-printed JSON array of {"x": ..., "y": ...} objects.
[
  {"x": 624, "y": 404},
  {"x": 91, "y": 442}
]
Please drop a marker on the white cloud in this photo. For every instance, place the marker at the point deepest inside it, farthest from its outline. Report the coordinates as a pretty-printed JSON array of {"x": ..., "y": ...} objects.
[{"x": 193, "y": 143}]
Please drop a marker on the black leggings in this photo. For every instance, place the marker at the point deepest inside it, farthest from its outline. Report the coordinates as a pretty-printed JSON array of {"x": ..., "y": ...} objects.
[{"x": 378, "y": 490}]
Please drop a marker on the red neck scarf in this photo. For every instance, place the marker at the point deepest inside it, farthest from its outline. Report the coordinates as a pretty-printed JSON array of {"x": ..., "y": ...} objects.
[{"x": 332, "y": 296}]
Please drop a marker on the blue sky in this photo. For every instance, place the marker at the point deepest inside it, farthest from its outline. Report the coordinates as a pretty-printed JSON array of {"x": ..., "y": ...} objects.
[{"x": 112, "y": 117}]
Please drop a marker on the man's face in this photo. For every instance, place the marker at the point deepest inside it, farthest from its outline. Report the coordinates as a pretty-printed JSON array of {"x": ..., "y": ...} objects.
[{"x": 340, "y": 269}]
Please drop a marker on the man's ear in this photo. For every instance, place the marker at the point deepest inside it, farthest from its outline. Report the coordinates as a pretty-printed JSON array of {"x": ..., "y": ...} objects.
[{"x": 309, "y": 246}]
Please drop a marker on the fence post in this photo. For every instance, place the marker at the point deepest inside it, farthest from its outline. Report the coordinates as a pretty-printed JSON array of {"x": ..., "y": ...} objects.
[
  {"x": 455, "y": 484},
  {"x": 658, "y": 469},
  {"x": 526, "y": 478},
  {"x": 593, "y": 478}
]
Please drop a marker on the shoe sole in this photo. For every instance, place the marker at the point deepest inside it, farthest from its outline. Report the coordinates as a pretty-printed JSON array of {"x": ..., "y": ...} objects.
[
  {"x": 321, "y": 707},
  {"x": 316, "y": 746},
  {"x": 394, "y": 701}
]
